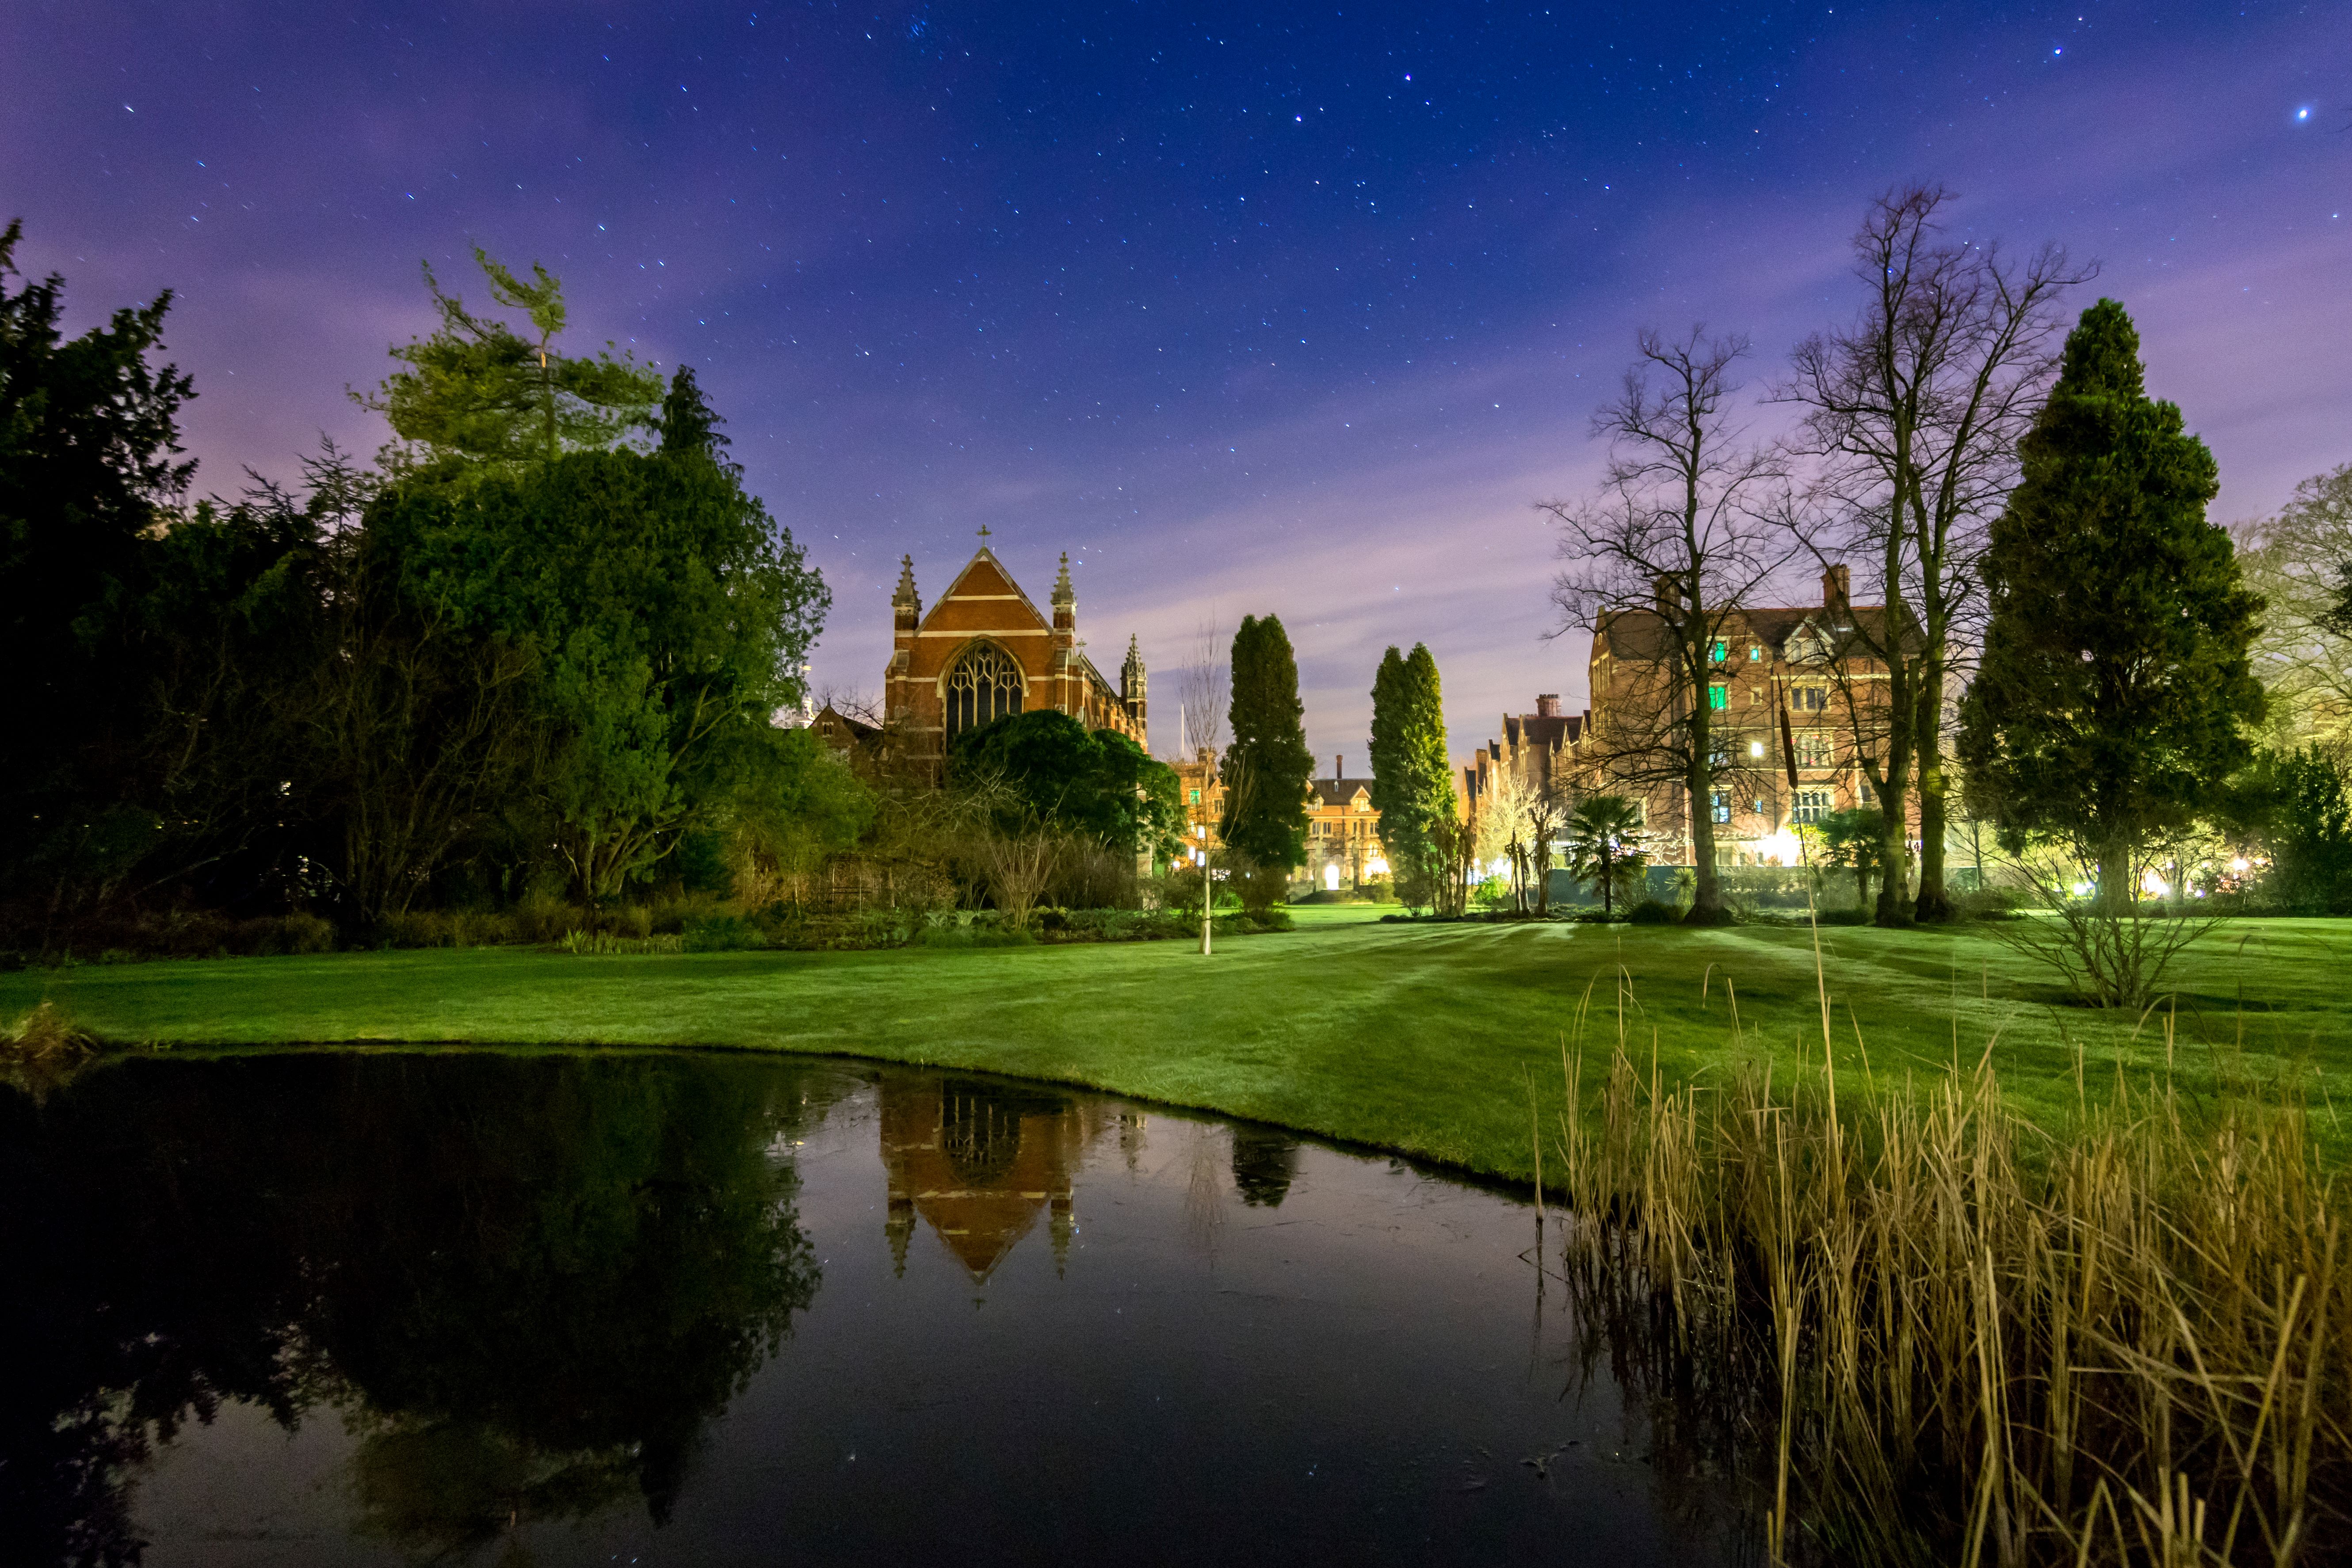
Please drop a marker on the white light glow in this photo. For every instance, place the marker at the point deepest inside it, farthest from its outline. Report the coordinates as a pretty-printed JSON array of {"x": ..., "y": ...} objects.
[
  {"x": 2155, "y": 887},
  {"x": 2239, "y": 865},
  {"x": 1755, "y": 748},
  {"x": 1332, "y": 879}
]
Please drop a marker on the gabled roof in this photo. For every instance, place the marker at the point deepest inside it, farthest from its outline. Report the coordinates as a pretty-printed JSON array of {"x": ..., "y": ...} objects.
[
  {"x": 1334, "y": 791},
  {"x": 986, "y": 576},
  {"x": 1640, "y": 633},
  {"x": 856, "y": 730}
]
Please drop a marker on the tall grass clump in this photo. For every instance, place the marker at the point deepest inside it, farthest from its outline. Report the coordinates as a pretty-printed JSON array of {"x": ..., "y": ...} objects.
[{"x": 1920, "y": 1329}]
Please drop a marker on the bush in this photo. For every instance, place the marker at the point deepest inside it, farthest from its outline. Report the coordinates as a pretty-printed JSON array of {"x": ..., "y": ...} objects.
[
  {"x": 722, "y": 933},
  {"x": 1989, "y": 904},
  {"x": 1653, "y": 912},
  {"x": 1766, "y": 887}
]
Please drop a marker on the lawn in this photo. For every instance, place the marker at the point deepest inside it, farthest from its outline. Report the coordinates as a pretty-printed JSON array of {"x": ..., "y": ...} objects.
[{"x": 1417, "y": 1037}]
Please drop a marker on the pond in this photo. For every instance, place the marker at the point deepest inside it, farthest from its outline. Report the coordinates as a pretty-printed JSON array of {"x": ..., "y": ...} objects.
[{"x": 355, "y": 1308}]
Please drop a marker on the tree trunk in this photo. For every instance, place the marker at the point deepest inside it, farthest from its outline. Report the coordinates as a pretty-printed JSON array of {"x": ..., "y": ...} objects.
[
  {"x": 1893, "y": 839},
  {"x": 1698, "y": 780},
  {"x": 1935, "y": 901},
  {"x": 2116, "y": 894}
]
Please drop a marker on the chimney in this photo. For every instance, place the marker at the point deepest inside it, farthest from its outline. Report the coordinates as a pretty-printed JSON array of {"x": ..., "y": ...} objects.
[
  {"x": 1836, "y": 586},
  {"x": 1669, "y": 592},
  {"x": 1547, "y": 705},
  {"x": 1338, "y": 768}
]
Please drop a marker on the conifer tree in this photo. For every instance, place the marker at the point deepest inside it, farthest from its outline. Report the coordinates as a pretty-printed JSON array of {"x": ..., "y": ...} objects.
[
  {"x": 478, "y": 396},
  {"x": 2116, "y": 691},
  {"x": 1267, "y": 764},
  {"x": 1412, "y": 782}
]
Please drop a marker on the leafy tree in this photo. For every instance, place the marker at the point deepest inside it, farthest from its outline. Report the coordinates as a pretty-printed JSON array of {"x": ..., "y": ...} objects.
[
  {"x": 2300, "y": 560},
  {"x": 2116, "y": 688},
  {"x": 1855, "y": 840},
  {"x": 2298, "y": 805},
  {"x": 796, "y": 806},
  {"x": 1101, "y": 785},
  {"x": 89, "y": 461},
  {"x": 235, "y": 620},
  {"x": 476, "y": 393},
  {"x": 1266, "y": 765},
  {"x": 667, "y": 614},
  {"x": 1413, "y": 780},
  {"x": 1606, "y": 844}
]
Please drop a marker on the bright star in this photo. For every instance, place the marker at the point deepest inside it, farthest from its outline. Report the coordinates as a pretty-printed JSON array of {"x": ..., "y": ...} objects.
[{"x": 2303, "y": 114}]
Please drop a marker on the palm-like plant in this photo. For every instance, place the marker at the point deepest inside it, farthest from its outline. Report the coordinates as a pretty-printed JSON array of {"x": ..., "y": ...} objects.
[{"x": 1605, "y": 842}]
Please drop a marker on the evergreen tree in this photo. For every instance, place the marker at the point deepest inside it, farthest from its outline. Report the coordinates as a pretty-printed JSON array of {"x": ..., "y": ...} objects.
[
  {"x": 2115, "y": 690},
  {"x": 1412, "y": 782},
  {"x": 1267, "y": 764},
  {"x": 688, "y": 423},
  {"x": 477, "y": 393},
  {"x": 89, "y": 463}
]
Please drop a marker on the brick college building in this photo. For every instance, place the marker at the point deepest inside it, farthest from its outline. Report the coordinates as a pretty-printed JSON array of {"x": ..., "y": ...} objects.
[{"x": 1802, "y": 654}]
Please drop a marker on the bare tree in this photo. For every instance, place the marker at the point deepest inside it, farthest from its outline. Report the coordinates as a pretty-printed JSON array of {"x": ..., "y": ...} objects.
[
  {"x": 1018, "y": 868},
  {"x": 1913, "y": 412},
  {"x": 1204, "y": 692},
  {"x": 1660, "y": 565}
]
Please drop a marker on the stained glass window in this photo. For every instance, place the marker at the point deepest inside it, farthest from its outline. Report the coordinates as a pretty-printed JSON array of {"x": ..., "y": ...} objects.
[{"x": 984, "y": 686}]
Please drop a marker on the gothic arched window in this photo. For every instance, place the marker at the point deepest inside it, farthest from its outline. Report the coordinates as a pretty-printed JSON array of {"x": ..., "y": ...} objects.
[{"x": 984, "y": 687}]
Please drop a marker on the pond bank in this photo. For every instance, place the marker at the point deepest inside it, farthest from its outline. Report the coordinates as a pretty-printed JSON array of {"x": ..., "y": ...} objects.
[{"x": 1422, "y": 1039}]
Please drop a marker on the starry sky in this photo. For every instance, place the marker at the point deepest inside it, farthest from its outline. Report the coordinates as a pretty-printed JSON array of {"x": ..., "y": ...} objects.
[{"x": 1251, "y": 309}]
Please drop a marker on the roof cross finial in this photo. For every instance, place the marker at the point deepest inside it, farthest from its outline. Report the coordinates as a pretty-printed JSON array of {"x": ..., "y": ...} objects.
[{"x": 984, "y": 536}]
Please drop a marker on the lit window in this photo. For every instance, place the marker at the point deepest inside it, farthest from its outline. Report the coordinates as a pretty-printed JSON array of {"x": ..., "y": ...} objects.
[
  {"x": 1716, "y": 650},
  {"x": 1722, "y": 805},
  {"x": 1719, "y": 695},
  {"x": 1812, "y": 749},
  {"x": 1196, "y": 797},
  {"x": 1754, "y": 652}
]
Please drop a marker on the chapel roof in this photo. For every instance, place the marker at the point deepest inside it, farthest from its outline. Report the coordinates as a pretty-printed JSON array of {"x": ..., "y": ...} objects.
[{"x": 984, "y": 576}]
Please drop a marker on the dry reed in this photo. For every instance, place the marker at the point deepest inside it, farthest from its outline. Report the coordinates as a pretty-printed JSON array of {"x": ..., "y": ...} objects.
[{"x": 1925, "y": 1329}]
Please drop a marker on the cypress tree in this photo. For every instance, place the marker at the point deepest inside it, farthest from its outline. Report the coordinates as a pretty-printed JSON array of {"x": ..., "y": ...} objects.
[
  {"x": 1267, "y": 764},
  {"x": 1412, "y": 782},
  {"x": 2116, "y": 692}
]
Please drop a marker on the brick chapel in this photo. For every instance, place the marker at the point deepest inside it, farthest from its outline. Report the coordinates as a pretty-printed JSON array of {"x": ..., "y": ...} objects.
[{"x": 984, "y": 650}]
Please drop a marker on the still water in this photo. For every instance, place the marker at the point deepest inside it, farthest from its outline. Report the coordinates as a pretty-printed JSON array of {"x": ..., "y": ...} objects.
[{"x": 356, "y": 1309}]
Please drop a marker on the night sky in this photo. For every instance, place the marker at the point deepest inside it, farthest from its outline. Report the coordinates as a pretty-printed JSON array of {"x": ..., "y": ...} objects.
[{"x": 1252, "y": 308}]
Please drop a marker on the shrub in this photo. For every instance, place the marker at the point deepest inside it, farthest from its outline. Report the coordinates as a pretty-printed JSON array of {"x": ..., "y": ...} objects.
[
  {"x": 1653, "y": 912},
  {"x": 722, "y": 933}
]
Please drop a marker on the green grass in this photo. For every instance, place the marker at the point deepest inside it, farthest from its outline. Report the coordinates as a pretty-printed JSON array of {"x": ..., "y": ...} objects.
[{"x": 1420, "y": 1038}]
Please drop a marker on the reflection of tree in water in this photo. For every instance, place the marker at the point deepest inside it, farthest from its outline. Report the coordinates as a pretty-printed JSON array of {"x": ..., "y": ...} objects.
[
  {"x": 1264, "y": 1161},
  {"x": 525, "y": 1283}
]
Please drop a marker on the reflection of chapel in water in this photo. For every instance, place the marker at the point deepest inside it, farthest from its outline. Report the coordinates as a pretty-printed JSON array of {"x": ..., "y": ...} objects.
[{"x": 979, "y": 1162}]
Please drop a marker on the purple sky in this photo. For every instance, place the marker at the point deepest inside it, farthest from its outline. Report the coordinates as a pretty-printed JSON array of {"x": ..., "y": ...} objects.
[{"x": 1274, "y": 308}]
